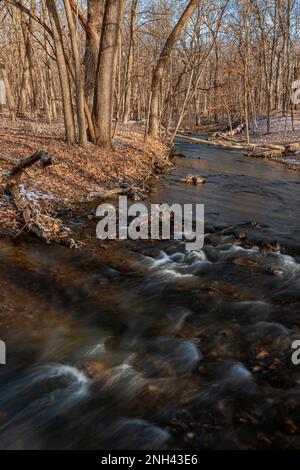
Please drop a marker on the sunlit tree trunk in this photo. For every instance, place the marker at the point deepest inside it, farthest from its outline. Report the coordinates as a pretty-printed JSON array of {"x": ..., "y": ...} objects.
[
  {"x": 95, "y": 10},
  {"x": 128, "y": 81},
  {"x": 82, "y": 138},
  {"x": 63, "y": 73},
  {"x": 106, "y": 71},
  {"x": 9, "y": 96}
]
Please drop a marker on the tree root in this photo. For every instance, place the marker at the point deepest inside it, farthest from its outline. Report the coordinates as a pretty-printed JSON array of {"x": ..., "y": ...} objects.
[{"x": 45, "y": 227}]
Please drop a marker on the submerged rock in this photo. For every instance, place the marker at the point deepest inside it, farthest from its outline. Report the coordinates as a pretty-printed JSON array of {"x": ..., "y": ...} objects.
[
  {"x": 245, "y": 262},
  {"x": 96, "y": 370},
  {"x": 275, "y": 271},
  {"x": 270, "y": 245},
  {"x": 166, "y": 357},
  {"x": 137, "y": 434},
  {"x": 240, "y": 234}
]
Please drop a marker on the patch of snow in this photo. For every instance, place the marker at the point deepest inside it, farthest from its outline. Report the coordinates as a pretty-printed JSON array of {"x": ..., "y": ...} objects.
[
  {"x": 281, "y": 130},
  {"x": 34, "y": 196},
  {"x": 119, "y": 143}
]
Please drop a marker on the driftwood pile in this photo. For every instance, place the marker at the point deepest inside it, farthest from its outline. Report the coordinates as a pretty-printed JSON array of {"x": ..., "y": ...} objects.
[{"x": 33, "y": 218}]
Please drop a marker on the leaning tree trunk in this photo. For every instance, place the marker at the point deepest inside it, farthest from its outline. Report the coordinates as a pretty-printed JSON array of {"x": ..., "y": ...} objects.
[
  {"x": 106, "y": 72},
  {"x": 161, "y": 65},
  {"x": 78, "y": 77},
  {"x": 63, "y": 73}
]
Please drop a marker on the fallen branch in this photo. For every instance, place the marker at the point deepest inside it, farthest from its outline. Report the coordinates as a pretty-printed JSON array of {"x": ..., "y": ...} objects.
[
  {"x": 5, "y": 158},
  {"x": 35, "y": 221},
  {"x": 103, "y": 194}
]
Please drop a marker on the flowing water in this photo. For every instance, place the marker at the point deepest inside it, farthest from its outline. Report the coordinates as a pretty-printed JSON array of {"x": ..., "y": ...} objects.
[{"x": 179, "y": 350}]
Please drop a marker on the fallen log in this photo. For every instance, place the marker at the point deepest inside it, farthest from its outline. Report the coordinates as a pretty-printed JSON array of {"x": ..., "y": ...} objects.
[
  {"x": 294, "y": 147},
  {"x": 275, "y": 151},
  {"x": 13, "y": 176},
  {"x": 215, "y": 142},
  {"x": 255, "y": 149},
  {"x": 42, "y": 225},
  {"x": 231, "y": 132},
  {"x": 267, "y": 153}
]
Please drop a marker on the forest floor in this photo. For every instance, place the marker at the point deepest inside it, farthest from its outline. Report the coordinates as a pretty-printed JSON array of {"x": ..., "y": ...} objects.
[
  {"x": 77, "y": 171},
  {"x": 283, "y": 131}
]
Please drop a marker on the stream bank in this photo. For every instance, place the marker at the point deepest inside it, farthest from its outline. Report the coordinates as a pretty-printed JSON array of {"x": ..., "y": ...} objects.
[{"x": 78, "y": 174}]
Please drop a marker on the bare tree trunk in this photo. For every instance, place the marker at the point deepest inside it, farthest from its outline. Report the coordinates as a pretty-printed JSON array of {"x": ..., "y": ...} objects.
[
  {"x": 78, "y": 77},
  {"x": 161, "y": 64},
  {"x": 50, "y": 84},
  {"x": 183, "y": 106},
  {"x": 95, "y": 10},
  {"x": 63, "y": 73},
  {"x": 9, "y": 95},
  {"x": 90, "y": 123},
  {"x": 128, "y": 81},
  {"x": 106, "y": 72},
  {"x": 245, "y": 80},
  {"x": 27, "y": 64}
]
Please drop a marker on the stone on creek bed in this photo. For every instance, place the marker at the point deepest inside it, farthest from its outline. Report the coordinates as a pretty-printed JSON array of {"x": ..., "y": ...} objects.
[
  {"x": 163, "y": 357},
  {"x": 194, "y": 179}
]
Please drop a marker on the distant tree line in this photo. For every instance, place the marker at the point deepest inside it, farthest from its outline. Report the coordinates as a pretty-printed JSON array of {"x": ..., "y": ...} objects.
[{"x": 164, "y": 63}]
